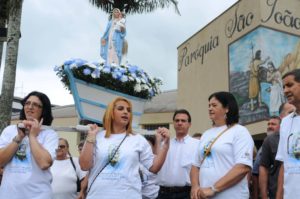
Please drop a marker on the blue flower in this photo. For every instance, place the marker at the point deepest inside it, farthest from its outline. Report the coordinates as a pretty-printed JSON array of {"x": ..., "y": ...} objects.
[
  {"x": 133, "y": 75},
  {"x": 73, "y": 65},
  {"x": 87, "y": 71},
  {"x": 151, "y": 92},
  {"x": 96, "y": 73},
  {"x": 124, "y": 78},
  {"x": 132, "y": 69},
  {"x": 57, "y": 68},
  {"x": 80, "y": 62},
  {"x": 122, "y": 70},
  {"x": 106, "y": 69},
  {"x": 119, "y": 75},
  {"x": 68, "y": 62},
  {"x": 116, "y": 74}
]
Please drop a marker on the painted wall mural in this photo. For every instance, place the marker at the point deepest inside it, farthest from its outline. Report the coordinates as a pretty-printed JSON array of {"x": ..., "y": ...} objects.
[{"x": 257, "y": 62}]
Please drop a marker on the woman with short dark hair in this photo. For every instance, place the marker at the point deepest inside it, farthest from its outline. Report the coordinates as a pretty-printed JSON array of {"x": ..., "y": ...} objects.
[
  {"x": 66, "y": 173},
  {"x": 224, "y": 156}
]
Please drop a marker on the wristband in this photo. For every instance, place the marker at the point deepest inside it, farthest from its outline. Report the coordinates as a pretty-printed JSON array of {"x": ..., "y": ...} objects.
[
  {"x": 90, "y": 139},
  {"x": 214, "y": 190},
  {"x": 17, "y": 140}
]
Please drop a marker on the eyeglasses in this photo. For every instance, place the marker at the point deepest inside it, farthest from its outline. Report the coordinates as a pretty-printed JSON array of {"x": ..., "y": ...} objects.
[
  {"x": 61, "y": 146},
  {"x": 180, "y": 120},
  {"x": 33, "y": 105},
  {"x": 121, "y": 108}
]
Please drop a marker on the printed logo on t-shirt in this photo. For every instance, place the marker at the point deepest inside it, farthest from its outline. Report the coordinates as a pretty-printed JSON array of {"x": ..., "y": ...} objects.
[
  {"x": 21, "y": 152},
  {"x": 21, "y": 162},
  {"x": 293, "y": 146},
  {"x": 113, "y": 154},
  {"x": 112, "y": 171},
  {"x": 208, "y": 162},
  {"x": 246, "y": 156},
  {"x": 206, "y": 148}
]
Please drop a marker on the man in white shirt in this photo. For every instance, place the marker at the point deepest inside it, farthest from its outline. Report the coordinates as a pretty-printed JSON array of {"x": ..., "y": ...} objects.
[
  {"x": 173, "y": 178},
  {"x": 289, "y": 144}
]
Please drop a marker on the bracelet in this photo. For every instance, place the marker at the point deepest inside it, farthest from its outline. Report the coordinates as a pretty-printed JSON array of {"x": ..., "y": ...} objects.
[
  {"x": 17, "y": 140},
  {"x": 214, "y": 190},
  {"x": 90, "y": 139}
]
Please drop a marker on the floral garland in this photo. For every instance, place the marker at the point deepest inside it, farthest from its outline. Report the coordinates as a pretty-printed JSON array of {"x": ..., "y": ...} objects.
[{"x": 128, "y": 79}]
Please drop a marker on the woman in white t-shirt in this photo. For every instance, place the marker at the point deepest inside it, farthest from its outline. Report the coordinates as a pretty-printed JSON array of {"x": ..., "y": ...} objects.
[
  {"x": 113, "y": 156},
  {"x": 64, "y": 183},
  {"x": 27, "y": 153},
  {"x": 224, "y": 156}
]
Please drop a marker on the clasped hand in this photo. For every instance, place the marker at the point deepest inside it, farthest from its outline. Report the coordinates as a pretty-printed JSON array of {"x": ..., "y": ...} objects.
[
  {"x": 31, "y": 127},
  {"x": 201, "y": 193},
  {"x": 164, "y": 133}
]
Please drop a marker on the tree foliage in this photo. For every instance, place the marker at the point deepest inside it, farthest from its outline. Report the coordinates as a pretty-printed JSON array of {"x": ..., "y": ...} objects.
[{"x": 134, "y": 6}]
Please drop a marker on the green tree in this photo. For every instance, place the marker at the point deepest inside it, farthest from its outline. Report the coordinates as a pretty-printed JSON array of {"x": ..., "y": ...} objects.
[
  {"x": 134, "y": 6},
  {"x": 14, "y": 8}
]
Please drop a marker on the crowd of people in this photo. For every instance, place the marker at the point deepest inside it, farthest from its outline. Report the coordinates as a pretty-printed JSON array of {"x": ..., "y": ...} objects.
[{"x": 118, "y": 162}]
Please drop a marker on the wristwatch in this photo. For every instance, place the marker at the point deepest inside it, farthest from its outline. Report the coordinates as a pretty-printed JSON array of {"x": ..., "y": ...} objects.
[
  {"x": 17, "y": 140},
  {"x": 214, "y": 190}
]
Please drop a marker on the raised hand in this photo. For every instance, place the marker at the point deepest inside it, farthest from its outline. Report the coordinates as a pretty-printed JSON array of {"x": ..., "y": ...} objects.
[
  {"x": 164, "y": 133},
  {"x": 33, "y": 126}
]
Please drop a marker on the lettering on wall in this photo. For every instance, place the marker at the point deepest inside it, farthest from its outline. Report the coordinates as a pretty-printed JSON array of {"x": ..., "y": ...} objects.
[
  {"x": 284, "y": 17},
  {"x": 188, "y": 55},
  {"x": 238, "y": 23}
]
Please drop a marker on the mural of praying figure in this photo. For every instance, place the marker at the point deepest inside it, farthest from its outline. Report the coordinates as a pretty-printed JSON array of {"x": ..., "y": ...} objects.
[
  {"x": 113, "y": 38},
  {"x": 276, "y": 89}
]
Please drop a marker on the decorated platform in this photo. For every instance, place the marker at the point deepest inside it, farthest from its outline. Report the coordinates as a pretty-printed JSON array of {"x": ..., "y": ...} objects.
[{"x": 94, "y": 85}]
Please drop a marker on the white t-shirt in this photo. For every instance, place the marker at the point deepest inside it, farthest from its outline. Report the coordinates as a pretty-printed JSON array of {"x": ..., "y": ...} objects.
[
  {"x": 235, "y": 146},
  {"x": 150, "y": 187},
  {"x": 178, "y": 164},
  {"x": 289, "y": 153},
  {"x": 22, "y": 177},
  {"x": 121, "y": 178},
  {"x": 64, "y": 184}
]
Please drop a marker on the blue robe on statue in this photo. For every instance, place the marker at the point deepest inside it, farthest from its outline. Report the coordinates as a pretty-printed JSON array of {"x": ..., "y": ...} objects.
[{"x": 117, "y": 41}]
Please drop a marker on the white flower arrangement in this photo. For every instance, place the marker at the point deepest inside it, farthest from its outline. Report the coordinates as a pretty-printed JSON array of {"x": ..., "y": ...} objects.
[{"x": 128, "y": 79}]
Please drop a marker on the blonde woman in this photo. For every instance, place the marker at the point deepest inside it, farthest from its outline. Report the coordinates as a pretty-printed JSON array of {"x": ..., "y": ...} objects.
[{"x": 114, "y": 155}]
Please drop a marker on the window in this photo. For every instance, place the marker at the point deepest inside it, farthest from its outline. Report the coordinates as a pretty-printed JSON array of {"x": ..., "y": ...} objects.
[{"x": 155, "y": 126}]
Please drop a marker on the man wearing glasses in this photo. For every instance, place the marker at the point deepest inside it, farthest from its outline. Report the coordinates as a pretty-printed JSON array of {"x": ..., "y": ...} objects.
[
  {"x": 174, "y": 179},
  {"x": 289, "y": 145}
]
